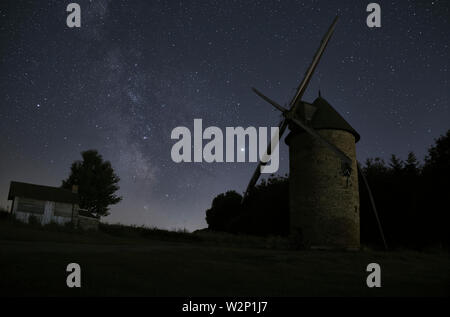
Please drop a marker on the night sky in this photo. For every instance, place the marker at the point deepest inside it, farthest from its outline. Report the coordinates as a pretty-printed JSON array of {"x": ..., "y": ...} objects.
[{"x": 135, "y": 70}]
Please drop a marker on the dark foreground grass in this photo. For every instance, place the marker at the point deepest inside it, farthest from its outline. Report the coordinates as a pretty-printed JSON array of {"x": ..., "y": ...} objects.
[{"x": 122, "y": 261}]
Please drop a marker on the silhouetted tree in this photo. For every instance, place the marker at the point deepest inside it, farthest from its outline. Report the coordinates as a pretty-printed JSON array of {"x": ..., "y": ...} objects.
[
  {"x": 224, "y": 208},
  {"x": 376, "y": 168},
  {"x": 411, "y": 200},
  {"x": 436, "y": 178},
  {"x": 412, "y": 166},
  {"x": 396, "y": 165},
  {"x": 438, "y": 157},
  {"x": 378, "y": 175},
  {"x": 264, "y": 212},
  {"x": 97, "y": 183}
]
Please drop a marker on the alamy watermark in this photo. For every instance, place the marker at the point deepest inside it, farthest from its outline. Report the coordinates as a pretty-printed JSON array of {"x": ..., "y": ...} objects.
[
  {"x": 374, "y": 18},
  {"x": 189, "y": 148},
  {"x": 74, "y": 278},
  {"x": 374, "y": 278},
  {"x": 74, "y": 17}
]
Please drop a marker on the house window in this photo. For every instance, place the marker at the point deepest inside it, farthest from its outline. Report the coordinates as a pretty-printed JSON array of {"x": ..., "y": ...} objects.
[
  {"x": 63, "y": 210},
  {"x": 31, "y": 205}
]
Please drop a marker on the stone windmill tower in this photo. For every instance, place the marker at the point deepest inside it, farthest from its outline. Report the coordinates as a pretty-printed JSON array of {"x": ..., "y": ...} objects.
[
  {"x": 323, "y": 178},
  {"x": 324, "y": 195}
]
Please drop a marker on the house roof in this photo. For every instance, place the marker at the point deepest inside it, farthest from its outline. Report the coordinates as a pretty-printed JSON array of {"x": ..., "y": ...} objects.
[
  {"x": 326, "y": 117},
  {"x": 40, "y": 192}
]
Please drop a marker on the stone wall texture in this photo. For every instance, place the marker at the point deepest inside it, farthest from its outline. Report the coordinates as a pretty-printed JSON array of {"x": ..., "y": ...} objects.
[{"x": 324, "y": 203}]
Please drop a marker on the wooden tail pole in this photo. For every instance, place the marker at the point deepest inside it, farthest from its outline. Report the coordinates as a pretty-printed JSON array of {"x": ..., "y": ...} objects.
[{"x": 372, "y": 201}]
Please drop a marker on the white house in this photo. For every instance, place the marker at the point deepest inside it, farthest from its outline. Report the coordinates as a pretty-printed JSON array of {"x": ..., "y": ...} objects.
[{"x": 49, "y": 204}]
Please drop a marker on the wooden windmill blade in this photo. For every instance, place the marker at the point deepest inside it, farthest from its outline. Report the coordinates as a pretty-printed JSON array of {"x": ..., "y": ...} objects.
[
  {"x": 374, "y": 207},
  {"x": 273, "y": 103},
  {"x": 254, "y": 179},
  {"x": 298, "y": 95},
  {"x": 312, "y": 67}
]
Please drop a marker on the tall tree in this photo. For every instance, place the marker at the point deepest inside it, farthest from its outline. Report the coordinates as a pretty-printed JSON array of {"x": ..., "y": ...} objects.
[
  {"x": 396, "y": 164},
  {"x": 412, "y": 168},
  {"x": 97, "y": 183},
  {"x": 436, "y": 172},
  {"x": 438, "y": 157},
  {"x": 223, "y": 209}
]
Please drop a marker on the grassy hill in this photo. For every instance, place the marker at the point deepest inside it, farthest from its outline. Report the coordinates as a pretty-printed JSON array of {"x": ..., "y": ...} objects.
[{"x": 120, "y": 260}]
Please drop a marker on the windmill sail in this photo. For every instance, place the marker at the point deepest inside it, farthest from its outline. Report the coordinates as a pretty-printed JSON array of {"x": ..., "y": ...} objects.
[
  {"x": 310, "y": 71},
  {"x": 297, "y": 97}
]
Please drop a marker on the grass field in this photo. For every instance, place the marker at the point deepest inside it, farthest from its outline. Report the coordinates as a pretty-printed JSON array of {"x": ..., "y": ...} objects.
[{"x": 121, "y": 261}]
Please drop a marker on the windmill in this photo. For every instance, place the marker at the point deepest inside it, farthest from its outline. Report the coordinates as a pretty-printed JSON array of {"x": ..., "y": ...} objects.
[{"x": 323, "y": 184}]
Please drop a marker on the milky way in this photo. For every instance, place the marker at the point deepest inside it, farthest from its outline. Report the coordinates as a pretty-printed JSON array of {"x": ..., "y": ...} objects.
[{"x": 135, "y": 70}]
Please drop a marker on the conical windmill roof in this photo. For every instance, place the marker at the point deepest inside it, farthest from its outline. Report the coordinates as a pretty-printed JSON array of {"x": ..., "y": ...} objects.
[{"x": 326, "y": 117}]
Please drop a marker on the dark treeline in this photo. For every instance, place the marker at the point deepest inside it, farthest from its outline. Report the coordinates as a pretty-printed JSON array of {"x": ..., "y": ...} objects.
[
  {"x": 265, "y": 212},
  {"x": 411, "y": 198}
]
